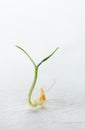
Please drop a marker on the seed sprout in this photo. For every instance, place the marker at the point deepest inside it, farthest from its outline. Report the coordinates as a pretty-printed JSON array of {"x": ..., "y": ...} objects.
[{"x": 42, "y": 98}]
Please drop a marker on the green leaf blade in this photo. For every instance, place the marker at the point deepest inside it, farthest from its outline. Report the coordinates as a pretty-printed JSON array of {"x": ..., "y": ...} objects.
[{"x": 45, "y": 59}]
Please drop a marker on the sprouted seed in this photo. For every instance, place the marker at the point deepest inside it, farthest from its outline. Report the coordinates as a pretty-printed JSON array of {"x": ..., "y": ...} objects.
[{"x": 42, "y": 98}]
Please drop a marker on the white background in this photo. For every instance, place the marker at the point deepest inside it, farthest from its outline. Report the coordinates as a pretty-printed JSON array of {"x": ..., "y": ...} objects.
[{"x": 40, "y": 26}]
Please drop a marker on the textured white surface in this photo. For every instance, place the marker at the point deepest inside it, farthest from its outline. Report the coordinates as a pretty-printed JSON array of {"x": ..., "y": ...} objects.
[
  {"x": 39, "y": 26},
  {"x": 65, "y": 105}
]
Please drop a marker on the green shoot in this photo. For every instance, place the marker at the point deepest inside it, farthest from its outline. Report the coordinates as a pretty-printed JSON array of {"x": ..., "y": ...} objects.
[{"x": 42, "y": 98}]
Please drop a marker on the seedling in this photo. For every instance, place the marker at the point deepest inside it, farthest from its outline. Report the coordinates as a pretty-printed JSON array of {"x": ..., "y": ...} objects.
[{"x": 42, "y": 98}]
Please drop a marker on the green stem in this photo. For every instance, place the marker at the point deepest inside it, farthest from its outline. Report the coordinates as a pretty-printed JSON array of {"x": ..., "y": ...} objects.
[
  {"x": 32, "y": 88},
  {"x": 36, "y": 103}
]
